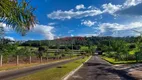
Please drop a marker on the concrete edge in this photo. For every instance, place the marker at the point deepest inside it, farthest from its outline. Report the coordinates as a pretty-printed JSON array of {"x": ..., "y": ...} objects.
[
  {"x": 106, "y": 61},
  {"x": 75, "y": 70}
]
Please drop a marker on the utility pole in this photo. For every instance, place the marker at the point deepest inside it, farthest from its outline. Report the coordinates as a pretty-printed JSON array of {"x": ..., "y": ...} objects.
[
  {"x": 58, "y": 45},
  {"x": 72, "y": 45}
]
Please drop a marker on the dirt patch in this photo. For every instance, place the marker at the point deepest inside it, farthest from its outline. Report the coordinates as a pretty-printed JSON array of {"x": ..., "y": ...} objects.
[{"x": 136, "y": 74}]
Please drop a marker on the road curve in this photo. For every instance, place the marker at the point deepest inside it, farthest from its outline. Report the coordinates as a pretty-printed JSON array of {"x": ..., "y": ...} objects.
[
  {"x": 12, "y": 74},
  {"x": 98, "y": 69}
]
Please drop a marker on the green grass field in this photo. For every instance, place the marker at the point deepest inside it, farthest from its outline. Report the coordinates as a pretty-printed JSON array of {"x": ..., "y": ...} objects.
[{"x": 54, "y": 73}]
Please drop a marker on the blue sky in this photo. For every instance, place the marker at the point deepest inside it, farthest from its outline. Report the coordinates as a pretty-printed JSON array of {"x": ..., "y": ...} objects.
[{"x": 61, "y": 18}]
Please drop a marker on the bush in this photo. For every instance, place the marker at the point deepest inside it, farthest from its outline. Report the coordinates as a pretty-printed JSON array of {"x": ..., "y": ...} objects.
[{"x": 132, "y": 46}]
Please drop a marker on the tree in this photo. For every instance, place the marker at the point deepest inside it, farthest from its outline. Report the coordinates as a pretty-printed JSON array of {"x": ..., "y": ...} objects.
[
  {"x": 139, "y": 47},
  {"x": 85, "y": 49},
  {"x": 119, "y": 46},
  {"x": 41, "y": 51},
  {"x": 17, "y": 14},
  {"x": 93, "y": 49}
]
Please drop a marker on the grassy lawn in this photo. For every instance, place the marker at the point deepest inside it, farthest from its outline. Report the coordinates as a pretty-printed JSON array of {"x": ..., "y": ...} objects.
[
  {"x": 112, "y": 61},
  {"x": 54, "y": 73},
  {"x": 133, "y": 51},
  {"x": 13, "y": 66}
]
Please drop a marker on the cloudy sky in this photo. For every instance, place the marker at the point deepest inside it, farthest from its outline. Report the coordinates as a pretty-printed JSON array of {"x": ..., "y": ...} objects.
[{"x": 61, "y": 18}]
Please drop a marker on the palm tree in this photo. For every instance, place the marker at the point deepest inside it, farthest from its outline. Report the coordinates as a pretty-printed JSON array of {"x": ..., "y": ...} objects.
[{"x": 17, "y": 14}]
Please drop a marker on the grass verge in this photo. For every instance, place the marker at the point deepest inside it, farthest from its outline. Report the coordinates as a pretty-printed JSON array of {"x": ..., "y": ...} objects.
[
  {"x": 54, "y": 73},
  {"x": 112, "y": 61},
  {"x": 13, "y": 66}
]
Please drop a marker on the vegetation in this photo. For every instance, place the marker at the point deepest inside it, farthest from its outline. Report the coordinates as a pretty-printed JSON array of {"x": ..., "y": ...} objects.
[
  {"x": 10, "y": 67},
  {"x": 17, "y": 14},
  {"x": 112, "y": 61},
  {"x": 54, "y": 73},
  {"x": 117, "y": 48}
]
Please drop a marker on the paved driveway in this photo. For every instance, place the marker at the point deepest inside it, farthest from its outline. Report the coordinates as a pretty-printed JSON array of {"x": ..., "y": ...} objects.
[{"x": 98, "y": 69}]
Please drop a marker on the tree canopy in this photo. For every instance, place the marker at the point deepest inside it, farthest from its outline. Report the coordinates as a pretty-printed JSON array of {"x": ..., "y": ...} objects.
[{"x": 17, "y": 14}]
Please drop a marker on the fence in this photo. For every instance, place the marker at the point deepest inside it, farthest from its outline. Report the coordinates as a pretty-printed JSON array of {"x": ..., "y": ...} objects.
[{"x": 24, "y": 59}]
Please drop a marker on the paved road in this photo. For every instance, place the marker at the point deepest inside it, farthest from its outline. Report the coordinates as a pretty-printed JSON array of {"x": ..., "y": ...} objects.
[
  {"x": 98, "y": 69},
  {"x": 12, "y": 74}
]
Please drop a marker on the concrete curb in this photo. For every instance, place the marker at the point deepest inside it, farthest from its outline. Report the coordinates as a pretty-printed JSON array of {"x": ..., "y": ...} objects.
[{"x": 72, "y": 72}]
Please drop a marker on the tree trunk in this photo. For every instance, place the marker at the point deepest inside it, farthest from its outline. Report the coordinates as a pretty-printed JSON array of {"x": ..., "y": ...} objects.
[
  {"x": 47, "y": 58},
  {"x": 1, "y": 58},
  {"x": 137, "y": 58},
  {"x": 8, "y": 59},
  {"x": 70, "y": 55},
  {"x": 17, "y": 62},
  {"x": 41, "y": 59},
  {"x": 127, "y": 57},
  {"x": 30, "y": 59}
]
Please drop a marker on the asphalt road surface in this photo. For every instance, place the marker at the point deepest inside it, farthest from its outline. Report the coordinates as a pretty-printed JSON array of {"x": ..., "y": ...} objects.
[
  {"x": 12, "y": 74},
  {"x": 98, "y": 69}
]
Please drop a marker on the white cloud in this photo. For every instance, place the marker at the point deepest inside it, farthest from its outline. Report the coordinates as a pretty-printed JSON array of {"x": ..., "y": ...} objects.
[
  {"x": 87, "y": 35},
  {"x": 110, "y": 8},
  {"x": 91, "y": 10},
  {"x": 51, "y": 24},
  {"x": 6, "y": 29},
  {"x": 112, "y": 28},
  {"x": 2, "y": 25},
  {"x": 10, "y": 38},
  {"x": 116, "y": 26},
  {"x": 81, "y": 6},
  {"x": 73, "y": 14},
  {"x": 70, "y": 31},
  {"x": 90, "y": 7},
  {"x": 72, "y": 35},
  {"x": 88, "y": 23},
  {"x": 45, "y": 30},
  {"x": 129, "y": 3}
]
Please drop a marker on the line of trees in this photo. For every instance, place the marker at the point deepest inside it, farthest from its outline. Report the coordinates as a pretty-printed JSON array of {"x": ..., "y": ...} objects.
[
  {"x": 14, "y": 52},
  {"x": 77, "y": 41}
]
